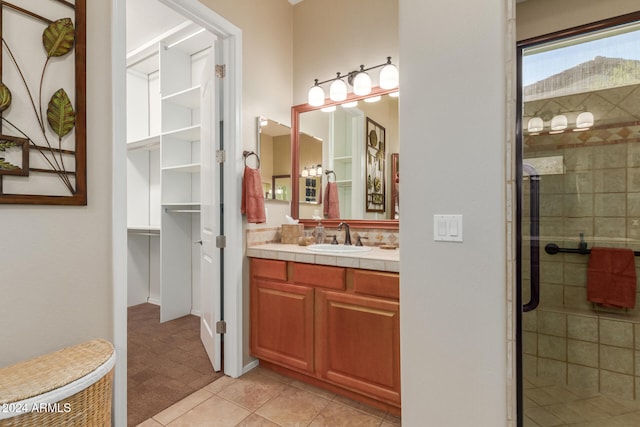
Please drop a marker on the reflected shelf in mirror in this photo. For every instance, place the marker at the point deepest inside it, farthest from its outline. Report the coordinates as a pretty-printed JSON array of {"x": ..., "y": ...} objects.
[{"x": 346, "y": 147}]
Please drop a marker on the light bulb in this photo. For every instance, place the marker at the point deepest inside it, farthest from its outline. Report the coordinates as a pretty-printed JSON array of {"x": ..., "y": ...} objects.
[
  {"x": 373, "y": 99},
  {"x": 584, "y": 120},
  {"x": 338, "y": 90},
  {"x": 350, "y": 104},
  {"x": 315, "y": 97},
  {"x": 389, "y": 76},
  {"x": 559, "y": 122},
  {"x": 312, "y": 171},
  {"x": 319, "y": 170},
  {"x": 362, "y": 83},
  {"x": 305, "y": 172},
  {"x": 535, "y": 124}
]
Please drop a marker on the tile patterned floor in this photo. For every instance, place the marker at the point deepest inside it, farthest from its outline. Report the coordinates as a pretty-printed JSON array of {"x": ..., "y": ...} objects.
[
  {"x": 547, "y": 404},
  {"x": 264, "y": 398}
]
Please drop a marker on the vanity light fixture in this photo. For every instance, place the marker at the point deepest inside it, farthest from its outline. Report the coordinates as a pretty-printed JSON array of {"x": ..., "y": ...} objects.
[
  {"x": 558, "y": 124},
  {"x": 359, "y": 79},
  {"x": 312, "y": 170},
  {"x": 350, "y": 104},
  {"x": 535, "y": 125},
  {"x": 373, "y": 99},
  {"x": 584, "y": 121},
  {"x": 305, "y": 172},
  {"x": 395, "y": 94},
  {"x": 319, "y": 170},
  {"x": 338, "y": 89},
  {"x": 263, "y": 122}
]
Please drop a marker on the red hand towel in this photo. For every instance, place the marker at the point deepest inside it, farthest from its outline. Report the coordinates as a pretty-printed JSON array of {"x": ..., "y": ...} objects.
[
  {"x": 252, "y": 199},
  {"x": 331, "y": 202},
  {"x": 611, "y": 277}
]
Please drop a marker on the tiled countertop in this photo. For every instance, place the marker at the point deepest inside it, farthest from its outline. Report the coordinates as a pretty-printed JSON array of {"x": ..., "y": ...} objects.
[{"x": 375, "y": 259}]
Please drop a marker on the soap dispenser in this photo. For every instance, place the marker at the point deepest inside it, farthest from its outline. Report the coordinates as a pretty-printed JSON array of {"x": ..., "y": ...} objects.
[{"x": 319, "y": 233}]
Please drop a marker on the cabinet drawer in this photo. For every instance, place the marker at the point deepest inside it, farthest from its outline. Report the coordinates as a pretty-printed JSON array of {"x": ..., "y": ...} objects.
[
  {"x": 269, "y": 269},
  {"x": 378, "y": 284},
  {"x": 320, "y": 276}
]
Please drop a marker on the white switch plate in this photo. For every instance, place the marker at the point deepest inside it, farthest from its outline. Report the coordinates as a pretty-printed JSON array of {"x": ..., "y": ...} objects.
[{"x": 447, "y": 228}]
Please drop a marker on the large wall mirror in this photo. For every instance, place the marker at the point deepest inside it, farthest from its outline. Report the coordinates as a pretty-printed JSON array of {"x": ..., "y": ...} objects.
[
  {"x": 274, "y": 150},
  {"x": 355, "y": 145}
]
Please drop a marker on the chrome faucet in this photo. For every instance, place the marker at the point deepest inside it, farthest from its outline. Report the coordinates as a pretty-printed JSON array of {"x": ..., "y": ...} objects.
[{"x": 347, "y": 233}]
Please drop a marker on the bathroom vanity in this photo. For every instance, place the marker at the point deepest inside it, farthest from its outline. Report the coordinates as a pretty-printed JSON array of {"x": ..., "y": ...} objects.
[{"x": 329, "y": 320}]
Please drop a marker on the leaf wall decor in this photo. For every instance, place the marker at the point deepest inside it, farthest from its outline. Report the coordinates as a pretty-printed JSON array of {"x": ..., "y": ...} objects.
[
  {"x": 60, "y": 114},
  {"x": 58, "y": 37},
  {"x": 4, "y": 144},
  {"x": 5, "y": 97},
  {"x": 6, "y": 165}
]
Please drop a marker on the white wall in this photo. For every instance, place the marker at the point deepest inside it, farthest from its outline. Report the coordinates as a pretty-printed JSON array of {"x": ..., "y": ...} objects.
[
  {"x": 453, "y": 295},
  {"x": 56, "y": 260}
]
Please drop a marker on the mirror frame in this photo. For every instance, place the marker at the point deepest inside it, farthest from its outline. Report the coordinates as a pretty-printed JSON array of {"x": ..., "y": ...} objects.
[{"x": 296, "y": 110}]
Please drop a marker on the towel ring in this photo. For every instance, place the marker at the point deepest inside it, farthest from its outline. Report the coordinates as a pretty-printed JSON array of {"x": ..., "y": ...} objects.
[
  {"x": 248, "y": 154},
  {"x": 330, "y": 172}
]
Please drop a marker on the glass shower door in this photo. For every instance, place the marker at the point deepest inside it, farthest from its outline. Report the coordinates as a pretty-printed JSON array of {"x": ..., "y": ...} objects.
[{"x": 579, "y": 189}]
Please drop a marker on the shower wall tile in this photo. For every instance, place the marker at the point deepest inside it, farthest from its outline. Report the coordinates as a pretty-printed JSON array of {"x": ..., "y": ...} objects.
[
  {"x": 616, "y": 384},
  {"x": 576, "y": 297},
  {"x": 552, "y": 369},
  {"x": 551, "y": 205},
  {"x": 633, "y": 204},
  {"x": 583, "y": 378},
  {"x": 552, "y": 347},
  {"x": 636, "y": 331},
  {"x": 530, "y": 364},
  {"x": 552, "y": 323},
  {"x": 572, "y": 227},
  {"x": 575, "y": 274},
  {"x": 551, "y": 272},
  {"x": 582, "y": 328},
  {"x": 633, "y": 179},
  {"x": 530, "y": 343},
  {"x": 633, "y": 155},
  {"x": 552, "y": 184},
  {"x": 610, "y": 156},
  {"x": 551, "y": 295},
  {"x": 617, "y": 359},
  {"x": 530, "y": 321},
  {"x": 637, "y": 364},
  {"x": 579, "y": 182},
  {"x": 582, "y": 353},
  {"x": 610, "y": 227},
  {"x": 610, "y": 180},
  {"x": 610, "y": 204},
  {"x": 578, "y": 205},
  {"x": 579, "y": 160},
  {"x": 616, "y": 333}
]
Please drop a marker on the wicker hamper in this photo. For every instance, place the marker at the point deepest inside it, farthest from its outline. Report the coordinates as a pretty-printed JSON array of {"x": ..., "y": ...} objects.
[{"x": 70, "y": 387}]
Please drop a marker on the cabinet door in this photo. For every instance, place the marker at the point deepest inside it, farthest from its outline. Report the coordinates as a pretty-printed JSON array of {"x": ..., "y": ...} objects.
[
  {"x": 282, "y": 323},
  {"x": 358, "y": 343}
]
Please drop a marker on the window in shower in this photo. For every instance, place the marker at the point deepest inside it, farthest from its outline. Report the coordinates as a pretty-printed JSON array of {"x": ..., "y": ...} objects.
[{"x": 580, "y": 115}]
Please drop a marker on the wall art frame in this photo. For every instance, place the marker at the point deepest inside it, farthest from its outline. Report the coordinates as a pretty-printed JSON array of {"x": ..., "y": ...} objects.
[
  {"x": 375, "y": 144},
  {"x": 43, "y": 156}
]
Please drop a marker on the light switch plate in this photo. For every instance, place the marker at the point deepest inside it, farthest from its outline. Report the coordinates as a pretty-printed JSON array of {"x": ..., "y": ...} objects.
[{"x": 447, "y": 228}]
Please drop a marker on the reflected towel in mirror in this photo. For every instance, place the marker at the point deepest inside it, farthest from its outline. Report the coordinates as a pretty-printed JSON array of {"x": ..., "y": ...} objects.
[
  {"x": 331, "y": 202},
  {"x": 252, "y": 199}
]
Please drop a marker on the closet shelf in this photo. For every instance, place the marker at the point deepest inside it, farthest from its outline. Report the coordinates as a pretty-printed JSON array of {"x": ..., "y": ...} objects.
[
  {"x": 190, "y": 133},
  {"x": 147, "y": 143},
  {"x": 189, "y": 98},
  {"x": 188, "y": 168}
]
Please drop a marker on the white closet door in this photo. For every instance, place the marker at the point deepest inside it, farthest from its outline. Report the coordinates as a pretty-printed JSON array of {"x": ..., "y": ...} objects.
[{"x": 209, "y": 217}]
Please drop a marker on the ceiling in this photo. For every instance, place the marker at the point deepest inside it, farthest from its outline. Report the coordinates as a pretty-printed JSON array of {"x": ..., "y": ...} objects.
[{"x": 141, "y": 29}]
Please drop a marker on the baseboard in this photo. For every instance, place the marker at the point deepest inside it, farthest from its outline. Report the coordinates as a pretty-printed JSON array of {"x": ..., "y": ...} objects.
[
  {"x": 249, "y": 366},
  {"x": 196, "y": 313},
  {"x": 153, "y": 301}
]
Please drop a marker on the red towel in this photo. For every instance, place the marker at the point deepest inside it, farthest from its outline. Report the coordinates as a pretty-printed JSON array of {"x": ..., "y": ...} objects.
[
  {"x": 611, "y": 277},
  {"x": 331, "y": 202},
  {"x": 252, "y": 198}
]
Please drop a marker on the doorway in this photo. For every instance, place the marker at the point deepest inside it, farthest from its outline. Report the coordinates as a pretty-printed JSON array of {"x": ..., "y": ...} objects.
[
  {"x": 229, "y": 53},
  {"x": 579, "y": 214}
]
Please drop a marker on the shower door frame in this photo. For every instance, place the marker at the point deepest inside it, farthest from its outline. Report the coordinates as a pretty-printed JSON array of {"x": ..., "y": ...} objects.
[{"x": 520, "y": 47}]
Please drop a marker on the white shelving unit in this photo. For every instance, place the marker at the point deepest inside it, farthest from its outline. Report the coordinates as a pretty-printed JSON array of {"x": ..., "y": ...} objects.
[{"x": 164, "y": 132}]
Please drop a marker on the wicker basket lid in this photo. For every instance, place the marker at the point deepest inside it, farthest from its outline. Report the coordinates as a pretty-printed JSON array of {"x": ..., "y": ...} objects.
[{"x": 51, "y": 371}]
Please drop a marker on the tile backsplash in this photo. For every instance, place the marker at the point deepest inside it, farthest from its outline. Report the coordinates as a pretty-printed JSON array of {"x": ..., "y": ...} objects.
[{"x": 370, "y": 236}]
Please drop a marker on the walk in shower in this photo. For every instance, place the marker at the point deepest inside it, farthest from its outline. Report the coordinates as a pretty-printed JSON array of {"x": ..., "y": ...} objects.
[{"x": 579, "y": 189}]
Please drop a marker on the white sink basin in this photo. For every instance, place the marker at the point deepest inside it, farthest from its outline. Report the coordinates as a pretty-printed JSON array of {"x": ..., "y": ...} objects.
[{"x": 338, "y": 249}]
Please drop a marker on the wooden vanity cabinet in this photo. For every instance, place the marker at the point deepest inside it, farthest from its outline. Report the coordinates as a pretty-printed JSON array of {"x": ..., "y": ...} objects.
[
  {"x": 281, "y": 317},
  {"x": 338, "y": 326}
]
